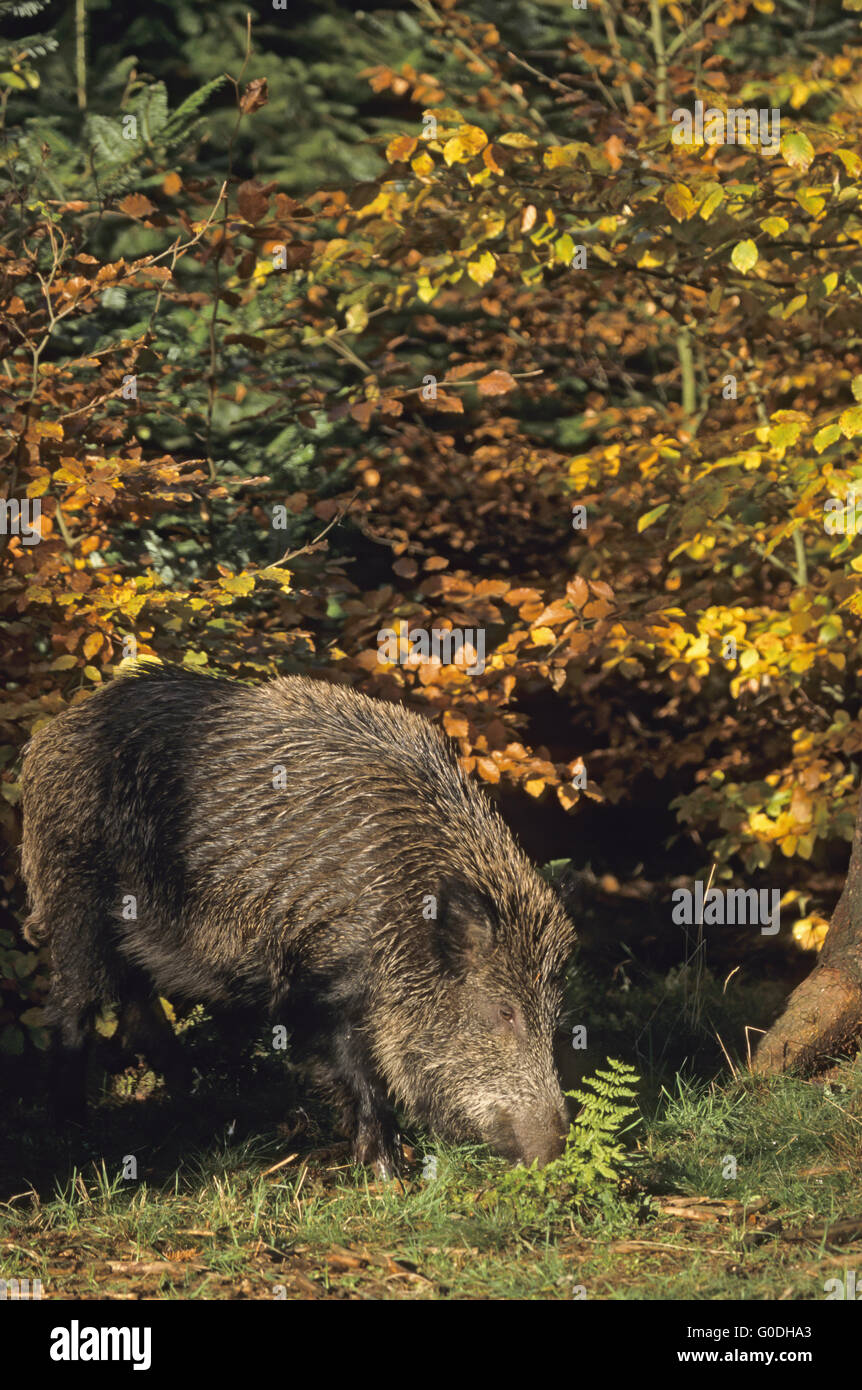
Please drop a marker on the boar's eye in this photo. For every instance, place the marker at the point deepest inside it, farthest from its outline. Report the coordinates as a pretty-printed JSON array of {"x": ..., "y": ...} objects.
[{"x": 508, "y": 1019}]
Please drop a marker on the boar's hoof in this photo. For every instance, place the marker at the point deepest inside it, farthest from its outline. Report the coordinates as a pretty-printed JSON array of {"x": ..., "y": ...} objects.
[{"x": 378, "y": 1150}]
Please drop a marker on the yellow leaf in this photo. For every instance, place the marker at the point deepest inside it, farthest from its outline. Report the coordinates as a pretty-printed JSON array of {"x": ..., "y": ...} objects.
[
  {"x": 811, "y": 201},
  {"x": 712, "y": 200},
  {"x": 516, "y": 139},
  {"x": 850, "y": 421},
  {"x": 278, "y": 574},
  {"x": 679, "y": 201},
  {"x": 775, "y": 226},
  {"x": 469, "y": 141},
  {"x": 238, "y": 583},
  {"x": 482, "y": 270},
  {"x": 561, "y": 155}
]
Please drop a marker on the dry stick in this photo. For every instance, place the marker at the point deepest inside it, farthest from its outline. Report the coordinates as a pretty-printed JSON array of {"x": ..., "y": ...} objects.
[
  {"x": 657, "y": 33},
  {"x": 81, "y": 52},
  {"x": 699, "y": 954},
  {"x": 734, "y": 1073},
  {"x": 729, "y": 978},
  {"x": 613, "y": 40},
  {"x": 217, "y": 258},
  {"x": 686, "y": 369},
  {"x": 473, "y": 381},
  {"x": 750, "y": 1028},
  {"x": 310, "y": 545},
  {"x": 435, "y": 18},
  {"x": 691, "y": 29},
  {"x": 275, "y": 1167},
  {"x": 550, "y": 81}
]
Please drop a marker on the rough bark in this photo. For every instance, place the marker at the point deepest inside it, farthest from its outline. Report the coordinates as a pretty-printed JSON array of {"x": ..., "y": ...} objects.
[{"x": 823, "y": 1017}]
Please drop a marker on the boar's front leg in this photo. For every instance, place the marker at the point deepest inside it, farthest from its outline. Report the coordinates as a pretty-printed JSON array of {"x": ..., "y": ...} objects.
[{"x": 366, "y": 1111}]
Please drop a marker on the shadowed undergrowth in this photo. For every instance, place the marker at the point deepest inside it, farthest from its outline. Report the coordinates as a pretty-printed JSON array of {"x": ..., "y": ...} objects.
[{"x": 727, "y": 1188}]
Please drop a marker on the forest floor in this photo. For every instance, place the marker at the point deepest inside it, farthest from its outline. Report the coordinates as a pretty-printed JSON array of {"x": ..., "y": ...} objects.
[{"x": 241, "y": 1193}]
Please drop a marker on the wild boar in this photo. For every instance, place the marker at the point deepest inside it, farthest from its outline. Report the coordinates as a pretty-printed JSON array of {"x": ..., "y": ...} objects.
[{"x": 304, "y": 850}]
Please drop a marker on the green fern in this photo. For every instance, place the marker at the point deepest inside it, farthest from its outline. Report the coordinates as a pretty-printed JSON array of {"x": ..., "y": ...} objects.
[
  {"x": 17, "y": 52},
  {"x": 178, "y": 122},
  {"x": 118, "y": 159},
  {"x": 594, "y": 1161},
  {"x": 593, "y": 1148}
]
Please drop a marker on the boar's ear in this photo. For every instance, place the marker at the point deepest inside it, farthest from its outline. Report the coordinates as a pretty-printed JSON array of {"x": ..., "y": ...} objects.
[
  {"x": 576, "y": 889},
  {"x": 465, "y": 924}
]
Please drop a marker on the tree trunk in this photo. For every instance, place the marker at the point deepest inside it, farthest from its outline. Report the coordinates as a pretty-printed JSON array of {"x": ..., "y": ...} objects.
[{"x": 823, "y": 1017}]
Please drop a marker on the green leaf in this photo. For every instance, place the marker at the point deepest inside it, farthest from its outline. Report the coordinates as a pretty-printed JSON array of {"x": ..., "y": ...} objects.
[
  {"x": 797, "y": 150},
  {"x": 744, "y": 256},
  {"x": 564, "y": 249},
  {"x": 828, "y": 435},
  {"x": 649, "y": 517}
]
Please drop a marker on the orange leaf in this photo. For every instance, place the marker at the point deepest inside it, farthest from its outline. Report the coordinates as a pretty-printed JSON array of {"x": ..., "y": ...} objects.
[
  {"x": 401, "y": 148},
  {"x": 137, "y": 205},
  {"x": 496, "y": 384}
]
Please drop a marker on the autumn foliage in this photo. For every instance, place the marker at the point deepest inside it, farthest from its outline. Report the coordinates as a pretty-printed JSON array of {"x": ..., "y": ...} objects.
[{"x": 550, "y": 374}]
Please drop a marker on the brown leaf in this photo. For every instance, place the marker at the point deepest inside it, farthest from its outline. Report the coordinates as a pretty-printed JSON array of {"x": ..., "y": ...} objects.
[
  {"x": 252, "y": 202},
  {"x": 496, "y": 384},
  {"x": 255, "y": 95},
  {"x": 453, "y": 404},
  {"x": 363, "y": 412},
  {"x": 455, "y": 725},
  {"x": 578, "y": 591},
  {"x": 137, "y": 205},
  {"x": 463, "y": 369}
]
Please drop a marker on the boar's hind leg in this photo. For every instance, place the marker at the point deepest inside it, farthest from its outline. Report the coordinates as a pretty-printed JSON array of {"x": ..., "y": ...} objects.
[
  {"x": 82, "y": 982},
  {"x": 368, "y": 1117}
]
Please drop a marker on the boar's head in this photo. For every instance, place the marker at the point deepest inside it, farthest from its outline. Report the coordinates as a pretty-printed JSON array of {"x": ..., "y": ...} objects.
[{"x": 478, "y": 1059}]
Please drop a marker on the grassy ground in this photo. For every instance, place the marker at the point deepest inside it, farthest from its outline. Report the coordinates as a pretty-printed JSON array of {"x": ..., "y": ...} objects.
[{"x": 238, "y": 1196}]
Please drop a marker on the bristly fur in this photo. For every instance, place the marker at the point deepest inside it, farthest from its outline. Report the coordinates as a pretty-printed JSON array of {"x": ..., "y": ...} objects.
[{"x": 304, "y": 849}]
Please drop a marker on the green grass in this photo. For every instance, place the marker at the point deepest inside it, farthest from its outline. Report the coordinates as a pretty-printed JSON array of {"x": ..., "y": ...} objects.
[{"x": 206, "y": 1219}]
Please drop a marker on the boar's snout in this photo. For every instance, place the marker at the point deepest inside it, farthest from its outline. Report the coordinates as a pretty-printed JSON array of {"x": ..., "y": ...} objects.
[{"x": 530, "y": 1137}]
